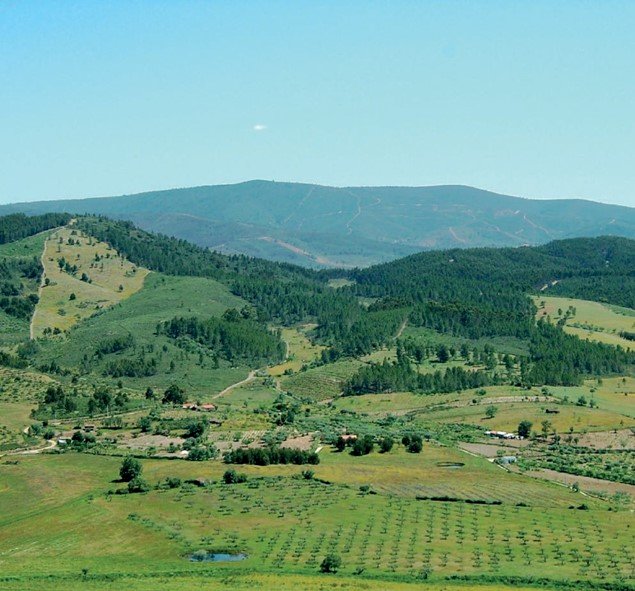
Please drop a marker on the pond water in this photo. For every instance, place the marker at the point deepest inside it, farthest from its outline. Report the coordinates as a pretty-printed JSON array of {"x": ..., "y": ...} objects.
[
  {"x": 450, "y": 464},
  {"x": 202, "y": 556}
]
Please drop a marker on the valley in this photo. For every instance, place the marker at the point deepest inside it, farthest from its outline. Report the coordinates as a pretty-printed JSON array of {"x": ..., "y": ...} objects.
[{"x": 329, "y": 428}]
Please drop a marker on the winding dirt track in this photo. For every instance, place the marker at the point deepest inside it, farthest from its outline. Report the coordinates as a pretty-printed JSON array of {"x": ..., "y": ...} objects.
[{"x": 250, "y": 378}]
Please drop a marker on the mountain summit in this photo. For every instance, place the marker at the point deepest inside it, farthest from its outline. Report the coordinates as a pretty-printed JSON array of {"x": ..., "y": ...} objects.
[{"x": 323, "y": 226}]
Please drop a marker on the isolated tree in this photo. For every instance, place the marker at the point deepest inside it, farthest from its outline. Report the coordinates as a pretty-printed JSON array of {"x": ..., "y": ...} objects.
[
  {"x": 145, "y": 424},
  {"x": 415, "y": 444},
  {"x": 443, "y": 354},
  {"x": 340, "y": 444},
  {"x": 130, "y": 469},
  {"x": 174, "y": 395},
  {"x": 546, "y": 427},
  {"x": 490, "y": 411},
  {"x": 524, "y": 428},
  {"x": 331, "y": 563}
]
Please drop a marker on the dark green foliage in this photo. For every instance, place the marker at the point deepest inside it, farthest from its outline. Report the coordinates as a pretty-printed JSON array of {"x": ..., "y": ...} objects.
[
  {"x": 396, "y": 377},
  {"x": 331, "y": 563},
  {"x": 271, "y": 455},
  {"x": 386, "y": 443},
  {"x": 17, "y": 226},
  {"x": 561, "y": 359},
  {"x": 236, "y": 339},
  {"x": 130, "y": 469},
  {"x": 524, "y": 428},
  {"x": 18, "y": 282},
  {"x": 174, "y": 395},
  {"x": 138, "y": 485},
  {"x": 362, "y": 446},
  {"x": 131, "y": 367},
  {"x": 201, "y": 452},
  {"x": 232, "y": 477},
  {"x": 196, "y": 428},
  {"x": 340, "y": 444},
  {"x": 8, "y": 360},
  {"x": 115, "y": 344},
  {"x": 412, "y": 442}
]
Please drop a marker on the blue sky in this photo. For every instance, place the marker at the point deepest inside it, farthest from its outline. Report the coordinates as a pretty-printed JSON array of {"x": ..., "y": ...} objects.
[{"x": 527, "y": 98}]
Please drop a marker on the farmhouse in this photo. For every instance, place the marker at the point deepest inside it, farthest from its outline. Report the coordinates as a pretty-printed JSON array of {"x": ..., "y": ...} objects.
[
  {"x": 504, "y": 460},
  {"x": 348, "y": 437},
  {"x": 199, "y": 407},
  {"x": 502, "y": 435}
]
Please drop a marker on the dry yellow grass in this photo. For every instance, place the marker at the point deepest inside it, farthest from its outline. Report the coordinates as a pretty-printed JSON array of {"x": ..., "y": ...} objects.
[
  {"x": 592, "y": 321},
  {"x": 112, "y": 279},
  {"x": 300, "y": 350}
]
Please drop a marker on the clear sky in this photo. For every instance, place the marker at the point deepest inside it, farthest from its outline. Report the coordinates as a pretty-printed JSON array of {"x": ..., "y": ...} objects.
[{"x": 532, "y": 98}]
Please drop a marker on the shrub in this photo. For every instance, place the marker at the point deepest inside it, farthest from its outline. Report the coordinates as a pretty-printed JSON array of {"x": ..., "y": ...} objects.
[
  {"x": 138, "y": 485},
  {"x": 233, "y": 477}
]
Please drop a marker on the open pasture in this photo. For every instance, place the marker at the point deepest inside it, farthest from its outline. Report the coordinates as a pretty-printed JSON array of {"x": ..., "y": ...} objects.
[
  {"x": 616, "y": 394},
  {"x": 508, "y": 416},
  {"x": 101, "y": 279},
  {"x": 592, "y": 320}
]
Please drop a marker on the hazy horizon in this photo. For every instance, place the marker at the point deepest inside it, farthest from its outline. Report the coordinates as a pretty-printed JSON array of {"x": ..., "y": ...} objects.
[{"x": 158, "y": 189}]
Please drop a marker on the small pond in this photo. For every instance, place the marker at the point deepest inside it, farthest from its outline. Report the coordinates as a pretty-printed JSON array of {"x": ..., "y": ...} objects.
[
  {"x": 450, "y": 464},
  {"x": 202, "y": 556}
]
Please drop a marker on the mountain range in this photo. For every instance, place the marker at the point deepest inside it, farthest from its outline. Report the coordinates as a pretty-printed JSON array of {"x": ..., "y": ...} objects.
[{"x": 321, "y": 226}]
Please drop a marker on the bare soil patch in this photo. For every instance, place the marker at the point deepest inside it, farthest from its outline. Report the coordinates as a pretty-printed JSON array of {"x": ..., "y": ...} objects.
[{"x": 586, "y": 483}]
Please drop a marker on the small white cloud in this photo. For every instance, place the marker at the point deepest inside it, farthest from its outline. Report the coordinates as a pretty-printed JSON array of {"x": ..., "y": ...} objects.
[{"x": 259, "y": 127}]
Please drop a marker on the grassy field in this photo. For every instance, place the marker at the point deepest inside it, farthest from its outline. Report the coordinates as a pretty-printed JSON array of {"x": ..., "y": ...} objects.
[
  {"x": 592, "y": 320},
  {"x": 219, "y": 578},
  {"x": 56, "y": 520},
  {"x": 300, "y": 350},
  {"x": 614, "y": 398},
  {"x": 112, "y": 279}
]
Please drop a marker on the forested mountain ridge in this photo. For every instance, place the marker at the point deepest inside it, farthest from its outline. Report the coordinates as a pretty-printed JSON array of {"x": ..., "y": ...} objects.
[
  {"x": 322, "y": 226},
  {"x": 469, "y": 294}
]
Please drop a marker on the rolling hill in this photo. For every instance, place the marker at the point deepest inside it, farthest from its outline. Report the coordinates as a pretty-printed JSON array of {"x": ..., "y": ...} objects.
[{"x": 321, "y": 226}]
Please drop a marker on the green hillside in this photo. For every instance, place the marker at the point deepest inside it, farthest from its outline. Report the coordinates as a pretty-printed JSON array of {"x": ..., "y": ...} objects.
[{"x": 234, "y": 422}]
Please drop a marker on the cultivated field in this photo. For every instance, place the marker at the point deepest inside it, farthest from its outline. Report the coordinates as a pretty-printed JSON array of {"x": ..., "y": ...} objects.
[{"x": 285, "y": 525}]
